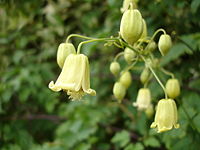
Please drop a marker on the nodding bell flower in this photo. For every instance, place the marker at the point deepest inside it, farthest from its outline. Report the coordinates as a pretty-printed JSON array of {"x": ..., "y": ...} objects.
[
  {"x": 166, "y": 115},
  {"x": 164, "y": 44},
  {"x": 172, "y": 88},
  {"x": 64, "y": 50},
  {"x": 126, "y": 79},
  {"x": 74, "y": 77},
  {"x": 143, "y": 100}
]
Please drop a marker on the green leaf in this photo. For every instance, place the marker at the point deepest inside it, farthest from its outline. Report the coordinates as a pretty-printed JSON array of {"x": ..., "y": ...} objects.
[
  {"x": 121, "y": 138},
  {"x": 151, "y": 141},
  {"x": 194, "y": 5}
]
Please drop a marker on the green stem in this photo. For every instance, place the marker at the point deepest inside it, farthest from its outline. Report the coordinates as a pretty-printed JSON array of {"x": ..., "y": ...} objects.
[
  {"x": 167, "y": 72},
  {"x": 127, "y": 45},
  {"x": 157, "y": 31},
  {"x": 94, "y": 40},
  {"x": 153, "y": 72},
  {"x": 132, "y": 65},
  {"x": 77, "y": 35},
  {"x": 118, "y": 55}
]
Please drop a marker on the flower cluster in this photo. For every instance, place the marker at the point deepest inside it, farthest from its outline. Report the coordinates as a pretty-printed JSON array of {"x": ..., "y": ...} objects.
[{"x": 137, "y": 46}]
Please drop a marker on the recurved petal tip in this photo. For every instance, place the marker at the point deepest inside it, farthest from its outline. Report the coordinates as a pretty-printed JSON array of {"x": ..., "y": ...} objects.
[
  {"x": 91, "y": 92},
  {"x": 53, "y": 87},
  {"x": 153, "y": 125}
]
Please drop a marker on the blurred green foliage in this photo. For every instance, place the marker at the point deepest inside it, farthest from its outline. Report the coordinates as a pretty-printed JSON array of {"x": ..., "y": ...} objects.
[{"x": 34, "y": 118}]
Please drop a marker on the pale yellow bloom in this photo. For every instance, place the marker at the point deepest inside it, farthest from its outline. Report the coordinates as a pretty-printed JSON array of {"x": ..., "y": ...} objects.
[
  {"x": 166, "y": 115},
  {"x": 74, "y": 77},
  {"x": 143, "y": 100}
]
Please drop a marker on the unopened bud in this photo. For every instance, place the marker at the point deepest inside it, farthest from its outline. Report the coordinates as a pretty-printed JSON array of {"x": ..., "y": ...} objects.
[
  {"x": 129, "y": 55},
  {"x": 119, "y": 91},
  {"x": 164, "y": 44},
  {"x": 64, "y": 50},
  {"x": 145, "y": 75},
  {"x": 172, "y": 88},
  {"x": 126, "y": 79},
  {"x": 150, "y": 47},
  {"x": 131, "y": 26},
  {"x": 149, "y": 111},
  {"x": 114, "y": 68}
]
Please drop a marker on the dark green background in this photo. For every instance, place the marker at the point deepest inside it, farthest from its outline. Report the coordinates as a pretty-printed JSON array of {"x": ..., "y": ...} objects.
[{"x": 32, "y": 117}]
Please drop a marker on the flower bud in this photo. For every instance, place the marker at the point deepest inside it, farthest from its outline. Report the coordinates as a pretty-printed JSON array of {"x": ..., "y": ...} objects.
[
  {"x": 114, "y": 68},
  {"x": 127, "y": 3},
  {"x": 145, "y": 75},
  {"x": 129, "y": 55},
  {"x": 149, "y": 111},
  {"x": 119, "y": 91},
  {"x": 144, "y": 33},
  {"x": 166, "y": 115},
  {"x": 126, "y": 79},
  {"x": 143, "y": 100},
  {"x": 150, "y": 47},
  {"x": 172, "y": 88},
  {"x": 131, "y": 26},
  {"x": 64, "y": 50},
  {"x": 164, "y": 44}
]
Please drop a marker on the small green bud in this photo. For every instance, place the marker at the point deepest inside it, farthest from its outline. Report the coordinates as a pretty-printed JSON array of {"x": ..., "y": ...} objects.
[
  {"x": 172, "y": 88},
  {"x": 164, "y": 44},
  {"x": 114, "y": 68},
  {"x": 119, "y": 91},
  {"x": 126, "y": 79},
  {"x": 131, "y": 26},
  {"x": 64, "y": 50},
  {"x": 151, "y": 47},
  {"x": 145, "y": 75},
  {"x": 149, "y": 111},
  {"x": 129, "y": 55}
]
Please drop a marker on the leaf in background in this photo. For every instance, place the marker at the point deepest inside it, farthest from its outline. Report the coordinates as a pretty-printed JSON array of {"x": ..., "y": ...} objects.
[
  {"x": 121, "y": 138},
  {"x": 151, "y": 141},
  {"x": 194, "y": 5}
]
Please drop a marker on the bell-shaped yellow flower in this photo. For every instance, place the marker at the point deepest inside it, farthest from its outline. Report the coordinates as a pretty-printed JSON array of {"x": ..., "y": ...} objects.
[
  {"x": 74, "y": 77},
  {"x": 166, "y": 115},
  {"x": 143, "y": 99}
]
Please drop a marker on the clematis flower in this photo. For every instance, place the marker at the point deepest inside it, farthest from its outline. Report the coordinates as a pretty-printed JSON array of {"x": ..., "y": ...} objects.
[
  {"x": 143, "y": 99},
  {"x": 166, "y": 115},
  {"x": 74, "y": 77}
]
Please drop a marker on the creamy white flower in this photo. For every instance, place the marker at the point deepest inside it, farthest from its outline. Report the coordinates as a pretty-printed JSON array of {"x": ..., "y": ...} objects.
[
  {"x": 166, "y": 115},
  {"x": 74, "y": 77},
  {"x": 143, "y": 100}
]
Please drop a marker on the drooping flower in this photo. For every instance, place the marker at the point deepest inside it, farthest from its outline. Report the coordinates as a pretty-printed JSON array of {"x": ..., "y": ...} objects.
[
  {"x": 74, "y": 77},
  {"x": 143, "y": 99},
  {"x": 166, "y": 115}
]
